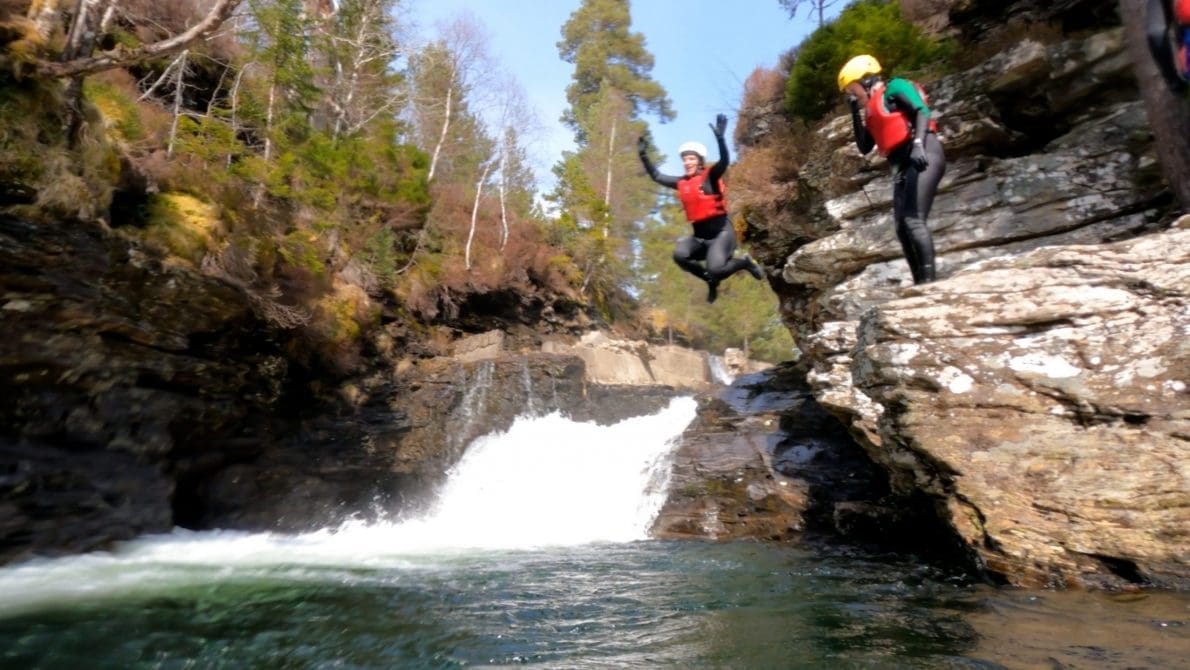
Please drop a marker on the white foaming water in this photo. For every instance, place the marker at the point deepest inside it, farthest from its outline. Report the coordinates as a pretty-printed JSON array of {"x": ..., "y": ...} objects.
[
  {"x": 548, "y": 481},
  {"x": 719, "y": 370}
]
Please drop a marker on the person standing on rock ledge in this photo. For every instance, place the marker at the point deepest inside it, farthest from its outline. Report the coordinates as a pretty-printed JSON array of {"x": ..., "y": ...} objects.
[
  {"x": 703, "y": 197},
  {"x": 896, "y": 121}
]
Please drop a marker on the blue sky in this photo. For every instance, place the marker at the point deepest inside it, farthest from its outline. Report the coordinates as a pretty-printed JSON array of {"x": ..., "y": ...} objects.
[{"x": 703, "y": 52}]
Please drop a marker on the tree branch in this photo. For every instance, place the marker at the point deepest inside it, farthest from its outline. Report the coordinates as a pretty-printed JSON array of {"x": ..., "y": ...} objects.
[{"x": 121, "y": 56}]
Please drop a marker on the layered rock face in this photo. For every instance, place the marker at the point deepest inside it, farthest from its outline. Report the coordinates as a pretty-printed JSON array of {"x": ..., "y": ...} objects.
[
  {"x": 121, "y": 375},
  {"x": 764, "y": 461},
  {"x": 1037, "y": 392},
  {"x": 1042, "y": 400}
]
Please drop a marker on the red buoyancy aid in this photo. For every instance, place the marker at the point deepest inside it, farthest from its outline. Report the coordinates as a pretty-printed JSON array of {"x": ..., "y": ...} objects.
[
  {"x": 700, "y": 205},
  {"x": 889, "y": 128},
  {"x": 1181, "y": 11}
]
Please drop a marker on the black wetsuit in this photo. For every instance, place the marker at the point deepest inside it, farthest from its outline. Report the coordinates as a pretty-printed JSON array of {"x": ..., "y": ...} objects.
[
  {"x": 1159, "y": 20},
  {"x": 714, "y": 239},
  {"x": 913, "y": 189}
]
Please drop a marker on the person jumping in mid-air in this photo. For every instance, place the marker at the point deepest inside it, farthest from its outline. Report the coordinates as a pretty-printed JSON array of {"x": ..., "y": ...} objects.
[
  {"x": 897, "y": 122},
  {"x": 1167, "y": 26},
  {"x": 701, "y": 192}
]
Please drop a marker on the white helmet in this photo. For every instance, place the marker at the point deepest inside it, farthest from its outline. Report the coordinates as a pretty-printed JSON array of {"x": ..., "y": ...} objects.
[{"x": 693, "y": 147}]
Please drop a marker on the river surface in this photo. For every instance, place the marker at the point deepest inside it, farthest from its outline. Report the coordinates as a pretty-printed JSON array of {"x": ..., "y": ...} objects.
[{"x": 538, "y": 555}]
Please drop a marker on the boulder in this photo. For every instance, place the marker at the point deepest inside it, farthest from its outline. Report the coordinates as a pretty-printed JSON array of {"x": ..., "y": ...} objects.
[
  {"x": 634, "y": 363},
  {"x": 1042, "y": 400}
]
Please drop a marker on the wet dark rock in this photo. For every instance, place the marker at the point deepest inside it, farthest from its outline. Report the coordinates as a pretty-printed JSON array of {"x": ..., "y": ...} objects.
[
  {"x": 764, "y": 461},
  {"x": 119, "y": 373},
  {"x": 55, "y": 499}
]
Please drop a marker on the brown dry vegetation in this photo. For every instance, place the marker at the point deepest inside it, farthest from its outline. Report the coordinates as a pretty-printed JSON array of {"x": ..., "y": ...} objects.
[
  {"x": 437, "y": 284},
  {"x": 767, "y": 181},
  {"x": 152, "y": 20}
]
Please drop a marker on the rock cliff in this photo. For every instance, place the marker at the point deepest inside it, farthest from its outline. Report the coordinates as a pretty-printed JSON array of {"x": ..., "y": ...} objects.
[{"x": 1036, "y": 394}]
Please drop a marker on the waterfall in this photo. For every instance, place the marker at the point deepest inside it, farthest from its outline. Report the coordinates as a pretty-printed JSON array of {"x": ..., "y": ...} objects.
[
  {"x": 471, "y": 404},
  {"x": 527, "y": 384},
  {"x": 547, "y": 481},
  {"x": 719, "y": 370}
]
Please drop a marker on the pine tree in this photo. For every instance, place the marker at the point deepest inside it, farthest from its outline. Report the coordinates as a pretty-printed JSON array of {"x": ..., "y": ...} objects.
[
  {"x": 602, "y": 194},
  {"x": 282, "y": 43},
  {"x": 597, "y": 40}
]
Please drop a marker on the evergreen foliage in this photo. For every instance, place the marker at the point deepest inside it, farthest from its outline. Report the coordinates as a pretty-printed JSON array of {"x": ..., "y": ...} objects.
[
  {"x": 744, "y": 317},
  {"x": 872, "y": 27},
  {"x": 597, "y": 40},
  {"x": 602, "y": 194}
]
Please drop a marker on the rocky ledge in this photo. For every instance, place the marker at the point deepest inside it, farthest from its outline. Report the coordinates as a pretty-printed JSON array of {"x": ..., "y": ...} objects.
[{"x": 1041, "y": 401}]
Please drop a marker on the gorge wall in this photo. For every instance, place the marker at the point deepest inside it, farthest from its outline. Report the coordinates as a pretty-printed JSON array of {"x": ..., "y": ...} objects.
[{"x": 1037, "y": 392}]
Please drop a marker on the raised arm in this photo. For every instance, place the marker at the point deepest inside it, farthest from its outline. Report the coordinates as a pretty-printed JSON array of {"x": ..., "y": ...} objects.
[
  {"x": 720, "y": 167},
  {"x": 642, "y": 150},
  {"x": 863, "y": 139}
]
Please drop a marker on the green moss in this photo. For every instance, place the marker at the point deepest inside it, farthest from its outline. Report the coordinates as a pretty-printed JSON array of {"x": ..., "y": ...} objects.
[
  {"x": 116, "y": 107},
  {"x": 182, "y": 225},
  {"x": 299, "y": 250},
  {"x": 28, "y": 127},
  {"x": 37, "y": 158},
  {"x": 338, "y": 311}
]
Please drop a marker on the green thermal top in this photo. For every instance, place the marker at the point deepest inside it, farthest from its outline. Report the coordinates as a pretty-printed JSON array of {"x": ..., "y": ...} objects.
[{"x": 905, "y": 88}]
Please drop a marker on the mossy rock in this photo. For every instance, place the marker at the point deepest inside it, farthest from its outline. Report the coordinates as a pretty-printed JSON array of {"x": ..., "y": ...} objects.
[
  {"x": 116, "y": 108},
  {"x": 182, "y": 225},
  {"x": 340, "y": 320},
  {"x": 300, "y": 250},
  {"x": 339, "y": 313},
  {"x": 38, "y": 161}
]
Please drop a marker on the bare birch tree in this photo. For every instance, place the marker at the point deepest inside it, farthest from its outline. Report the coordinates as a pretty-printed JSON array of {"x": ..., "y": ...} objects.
[
  {"x": 812, "y": 6},
  {"x": 361, "y": 44},
  {"x": 79, "y": 58},
  {"x": 483, "y": 177},
  {"x": 445, "y": 72},
  {"x": 513, "y": 113}
]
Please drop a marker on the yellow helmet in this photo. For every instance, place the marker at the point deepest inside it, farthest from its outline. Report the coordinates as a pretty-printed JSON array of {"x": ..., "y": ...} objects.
[{"x": 856, "y": 69}]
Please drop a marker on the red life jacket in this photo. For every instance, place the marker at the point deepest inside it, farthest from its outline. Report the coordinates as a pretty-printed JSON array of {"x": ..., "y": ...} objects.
[
  {"x": 890, "y": 128},
  {"x": 1181, "y": 11},
  {"x": 700, "y": 205}
]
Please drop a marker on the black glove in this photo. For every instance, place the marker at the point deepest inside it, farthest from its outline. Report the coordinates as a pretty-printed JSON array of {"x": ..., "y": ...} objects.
[
  {"x": 917, "y": 156},
  {"x": 720, "y": 125},
  {"x": 642, "y": 145},
  {"x": 853, "y": 103}
]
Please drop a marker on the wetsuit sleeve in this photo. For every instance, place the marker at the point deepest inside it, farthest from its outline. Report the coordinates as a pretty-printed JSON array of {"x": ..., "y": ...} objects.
[
  {"x": 863, "y": 139},
  {"x": 1157, "y": 20},
  {"x": 720, "y": 168},
  {"x": 663, "y": 179}
]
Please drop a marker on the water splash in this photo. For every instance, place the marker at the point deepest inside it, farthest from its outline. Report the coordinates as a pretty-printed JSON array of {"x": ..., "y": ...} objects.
[
  {"x": 547, "y": 481},
  {"x": 475, "y": 396},
  {"x": 719, "y": 370},
  {"x": 527, "y": 385}
]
